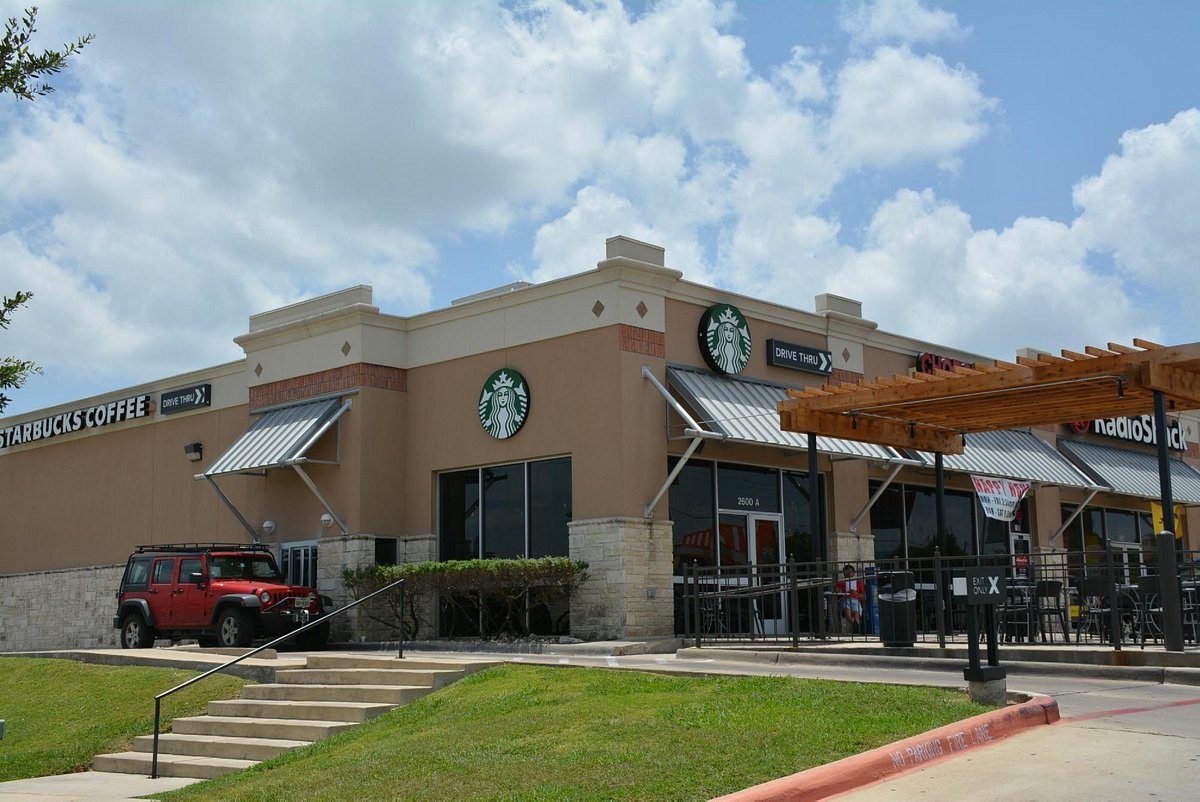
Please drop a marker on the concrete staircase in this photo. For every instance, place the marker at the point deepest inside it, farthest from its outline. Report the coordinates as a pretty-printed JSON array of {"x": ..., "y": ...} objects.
[{"x": 332, "y": 693}]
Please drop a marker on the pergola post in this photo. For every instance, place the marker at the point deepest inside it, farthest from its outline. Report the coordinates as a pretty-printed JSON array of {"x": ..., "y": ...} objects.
[{"x": 1168, "y": 573}]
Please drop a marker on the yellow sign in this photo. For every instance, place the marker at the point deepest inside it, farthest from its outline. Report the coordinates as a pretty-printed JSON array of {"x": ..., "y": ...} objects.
[{"x": 1157, "y": 510}]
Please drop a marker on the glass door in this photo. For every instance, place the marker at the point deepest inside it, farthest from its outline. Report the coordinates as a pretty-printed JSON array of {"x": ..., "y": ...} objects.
[{"x": 766, "y": 548}]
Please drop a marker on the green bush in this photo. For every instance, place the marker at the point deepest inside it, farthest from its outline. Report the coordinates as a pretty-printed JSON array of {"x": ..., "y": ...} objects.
[{"x": 485, "y": 597}]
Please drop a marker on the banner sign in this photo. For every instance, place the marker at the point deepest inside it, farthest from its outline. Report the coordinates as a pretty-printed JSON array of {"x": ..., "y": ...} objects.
[
  {"x": 999, "y": 497},
  {"x": 90, "y": 418}
]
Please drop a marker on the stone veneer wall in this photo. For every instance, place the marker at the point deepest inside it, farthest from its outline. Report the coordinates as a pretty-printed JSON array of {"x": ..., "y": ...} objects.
[
  {"x": 63, "y": 609},
  {"x": 629, "y": 592},
  {"x": 338, "y": 554}
]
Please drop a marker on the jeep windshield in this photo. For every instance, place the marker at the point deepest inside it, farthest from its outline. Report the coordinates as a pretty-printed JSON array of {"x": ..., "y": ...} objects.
[{"x": 257, "y": 566}]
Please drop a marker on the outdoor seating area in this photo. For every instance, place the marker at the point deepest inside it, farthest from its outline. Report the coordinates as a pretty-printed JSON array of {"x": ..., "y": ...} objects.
[{"x": 1056, "y": 599}]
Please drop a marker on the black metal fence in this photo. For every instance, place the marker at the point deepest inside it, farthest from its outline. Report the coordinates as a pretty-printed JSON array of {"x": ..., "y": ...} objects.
[{"x": 1110, "y": 597}]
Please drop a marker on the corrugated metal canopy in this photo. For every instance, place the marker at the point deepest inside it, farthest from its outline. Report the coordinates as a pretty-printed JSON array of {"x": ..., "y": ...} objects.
[
  {"x": 1015, "y": 454},
  {"x": 275, "y": 438},
  {"x": 1134, "y": 473},
  {"x": 746, "y": 410}
]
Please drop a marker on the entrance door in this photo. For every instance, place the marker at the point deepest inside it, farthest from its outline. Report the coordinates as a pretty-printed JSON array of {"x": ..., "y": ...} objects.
[
  {"x": 767, "y": 547},
  {"x": 755, "y": 541}
]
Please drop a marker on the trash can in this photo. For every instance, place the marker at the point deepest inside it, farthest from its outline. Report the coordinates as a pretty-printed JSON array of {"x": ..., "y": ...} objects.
[{"x": 897, "y": 608}]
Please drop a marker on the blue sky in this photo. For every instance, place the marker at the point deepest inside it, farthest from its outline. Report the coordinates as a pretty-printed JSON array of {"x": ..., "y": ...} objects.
[{"x": 984, "y": 175}]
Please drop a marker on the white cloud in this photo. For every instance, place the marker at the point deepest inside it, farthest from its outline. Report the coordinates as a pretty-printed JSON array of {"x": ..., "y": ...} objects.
[
  {"x": 897, "y": 107},
  {"x": 1142, "y": 206},
  {"x": 870, "y": 23}
]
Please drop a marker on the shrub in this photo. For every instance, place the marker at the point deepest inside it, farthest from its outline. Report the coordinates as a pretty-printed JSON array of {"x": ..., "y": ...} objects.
[{"x": 484, "y": 597}]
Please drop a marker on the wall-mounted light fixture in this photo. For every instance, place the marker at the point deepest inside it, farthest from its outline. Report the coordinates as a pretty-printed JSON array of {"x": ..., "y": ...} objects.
[
  {"x": 194, "y": 452},
  {"x": 268, "y": 527},
  {"x": 326, "y": 520}
]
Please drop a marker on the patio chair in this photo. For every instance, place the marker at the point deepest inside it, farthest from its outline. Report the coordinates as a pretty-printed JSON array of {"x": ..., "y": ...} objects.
[
  {"x": 1149, "y": 609},
  {"x": 1094, "y": 609},
  {"x": 1048, "y": 607}
]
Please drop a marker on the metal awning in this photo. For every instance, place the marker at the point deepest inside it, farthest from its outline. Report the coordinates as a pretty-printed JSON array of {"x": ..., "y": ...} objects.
[
  {"x": 1133, "y": 473},
  {"x": 280, "y": 438},
  {"x": 1015, "y": 454},
  {"x": 747, "y": 411},
  {"x": 277, "y": 438}
]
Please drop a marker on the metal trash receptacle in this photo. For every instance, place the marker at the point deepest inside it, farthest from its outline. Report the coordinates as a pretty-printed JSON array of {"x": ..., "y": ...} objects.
[{"x": 897, "y": 608}]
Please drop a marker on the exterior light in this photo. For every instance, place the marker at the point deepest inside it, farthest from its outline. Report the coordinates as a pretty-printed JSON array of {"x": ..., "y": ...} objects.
[
  {"x": 268, "y": 527},
  {"x": 326, "y": 520},
  {"x": 194, "y": 452}
]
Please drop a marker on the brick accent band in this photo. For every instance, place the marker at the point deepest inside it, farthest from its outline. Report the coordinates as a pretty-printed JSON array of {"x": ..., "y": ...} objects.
[
  {"x": 324, "y": 382},
  {"x": 848, "y": 376},
  {"x": 643, "y": 341}
]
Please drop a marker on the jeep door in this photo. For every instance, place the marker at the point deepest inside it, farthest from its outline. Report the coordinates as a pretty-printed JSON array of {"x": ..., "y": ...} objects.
[
  {"x": 192, "y": 600},
  {"x": 162, "y": 592}
]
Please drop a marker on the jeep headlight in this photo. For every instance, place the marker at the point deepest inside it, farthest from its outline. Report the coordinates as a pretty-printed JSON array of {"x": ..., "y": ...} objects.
[{"x": 265, "y": 597}]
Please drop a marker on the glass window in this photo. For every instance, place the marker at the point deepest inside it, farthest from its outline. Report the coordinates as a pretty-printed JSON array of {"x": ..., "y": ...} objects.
[
  {"x": 691, "y": 503},
  {"x": 187, "y": 567},
  {"x": 887, "y": 522},
  {"x": 734, "y": 542},
  {"x": 1121, "y": 526},
  {"x": 137, "y": 575},
  {"x": 747, "y": 488},
  {"x": 164, "y": 572},
  {"x": 920, "y": 521},
  {"x": 459, "y": 515},
  {"x": 549, "y": 507},
  {"x": 960, "y": 526},
  {"x": 504, "y": 511},
  {"x": 799, "y": 542},
  {"x": 386, "y": 551}
]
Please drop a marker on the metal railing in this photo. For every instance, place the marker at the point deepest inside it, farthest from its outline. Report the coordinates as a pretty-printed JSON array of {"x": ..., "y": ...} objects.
[
  {"x": 316, "y": 622},
  {"x": 1050, "y": 598}
]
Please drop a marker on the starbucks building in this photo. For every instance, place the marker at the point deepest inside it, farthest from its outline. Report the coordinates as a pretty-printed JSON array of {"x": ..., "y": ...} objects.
[{"x": 623, "y": 416}]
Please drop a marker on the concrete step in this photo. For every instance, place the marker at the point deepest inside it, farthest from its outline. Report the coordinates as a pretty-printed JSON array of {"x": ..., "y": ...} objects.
[
  {"x": 386, "y": 661},
  {"x": 367, "y": 676},
  {"x": 386, "y": 694},
  {"x": 242, "y": 727},
  {"x": 203, "y": 768},
  {"x": 307, "y": 711},
  {"x": 226, "y": 746}
]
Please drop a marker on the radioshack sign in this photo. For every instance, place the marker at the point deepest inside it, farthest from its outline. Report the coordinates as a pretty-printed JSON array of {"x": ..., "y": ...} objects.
[
  {"x": 77, "y": 420},
  {"x": 1134, "y": 430}
]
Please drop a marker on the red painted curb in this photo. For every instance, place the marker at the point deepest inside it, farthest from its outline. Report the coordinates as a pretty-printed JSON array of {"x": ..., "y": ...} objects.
[{"x": 920, "y": 750}]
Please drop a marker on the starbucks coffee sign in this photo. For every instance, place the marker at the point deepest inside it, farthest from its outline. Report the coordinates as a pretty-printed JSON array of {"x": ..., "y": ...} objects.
[
  {"x": 504, "y": 403},
  {"x": 724, "y": 338}
]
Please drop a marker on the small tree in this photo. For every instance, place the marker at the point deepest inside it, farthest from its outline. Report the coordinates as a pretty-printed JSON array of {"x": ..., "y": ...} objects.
[
  {"x": 13, "y": 372},
  {"x": 21, "y": 68},
  {"x": 20, "y": 71}
]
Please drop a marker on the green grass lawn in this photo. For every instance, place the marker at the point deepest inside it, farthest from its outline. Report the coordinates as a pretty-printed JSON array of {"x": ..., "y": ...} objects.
[
  {"x": 540, "y": 733},
  {"x": 59, "y": 713}
]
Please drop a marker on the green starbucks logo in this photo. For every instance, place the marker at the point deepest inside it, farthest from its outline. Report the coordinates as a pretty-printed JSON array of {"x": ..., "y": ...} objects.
[
  {"x": 724, "y": 338},
  {"x": 504, "y": 403}
]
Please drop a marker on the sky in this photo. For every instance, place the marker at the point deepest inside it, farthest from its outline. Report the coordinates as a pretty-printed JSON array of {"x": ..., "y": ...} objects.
[{"x": 988, "y": 176}]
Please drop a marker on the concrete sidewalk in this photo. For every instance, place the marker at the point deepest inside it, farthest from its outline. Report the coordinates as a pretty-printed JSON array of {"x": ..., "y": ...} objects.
[{"x": 1126, "y": 732}]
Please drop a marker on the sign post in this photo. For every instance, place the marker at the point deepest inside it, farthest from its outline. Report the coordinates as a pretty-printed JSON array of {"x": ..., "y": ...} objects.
[{"x": 983, "y": 587}]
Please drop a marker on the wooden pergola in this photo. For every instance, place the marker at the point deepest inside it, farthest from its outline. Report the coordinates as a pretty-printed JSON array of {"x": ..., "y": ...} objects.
[{"x": 934, "y": 411}]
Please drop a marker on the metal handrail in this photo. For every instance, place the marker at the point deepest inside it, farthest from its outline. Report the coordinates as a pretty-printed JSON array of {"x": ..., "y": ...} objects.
[{"x": 158, "y": 699}]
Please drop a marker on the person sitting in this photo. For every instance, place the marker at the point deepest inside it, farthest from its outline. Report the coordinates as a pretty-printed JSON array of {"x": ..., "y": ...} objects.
[{"x": 850, "y": 598}]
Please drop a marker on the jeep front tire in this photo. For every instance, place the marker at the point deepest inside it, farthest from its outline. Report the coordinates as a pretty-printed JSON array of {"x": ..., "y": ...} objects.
[
  {"x": 233, "y": 629},
  {"x": 135, "y": 632}
]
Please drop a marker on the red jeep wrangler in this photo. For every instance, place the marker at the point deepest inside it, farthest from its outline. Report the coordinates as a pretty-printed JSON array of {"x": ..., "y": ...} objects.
[{"x": 222, "y": 594}]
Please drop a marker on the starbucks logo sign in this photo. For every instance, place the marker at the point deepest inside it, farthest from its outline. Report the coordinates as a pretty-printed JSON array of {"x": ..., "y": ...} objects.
[
  {"x": 724, "y": 338},
  {"x": 504, "y": 403}
]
